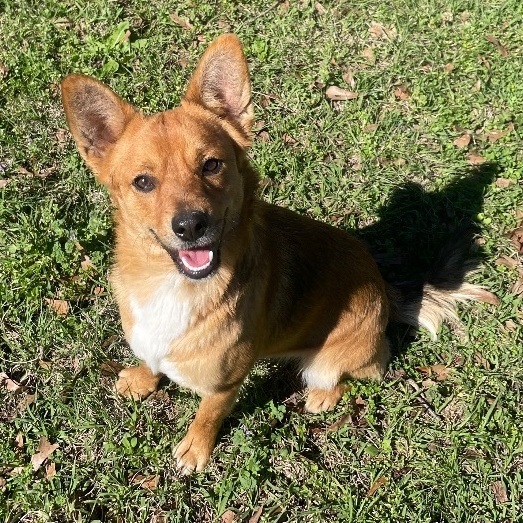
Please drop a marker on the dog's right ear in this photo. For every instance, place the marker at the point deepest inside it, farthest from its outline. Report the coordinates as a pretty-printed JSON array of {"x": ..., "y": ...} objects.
[{"x": 96, "y": 117}]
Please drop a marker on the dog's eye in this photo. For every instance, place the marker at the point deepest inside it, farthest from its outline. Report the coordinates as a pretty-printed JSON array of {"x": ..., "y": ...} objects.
[
  {"x": 212, "y": 166},
  {"x": 144, "y": 183}
]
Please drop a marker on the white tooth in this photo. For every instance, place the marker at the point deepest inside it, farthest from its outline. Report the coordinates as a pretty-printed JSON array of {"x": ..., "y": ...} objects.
[{"x": 211, "y": 254}]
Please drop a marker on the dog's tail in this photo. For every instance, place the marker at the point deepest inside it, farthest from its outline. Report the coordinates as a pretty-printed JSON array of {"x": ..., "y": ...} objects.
[{"x": 434, "y": 300}]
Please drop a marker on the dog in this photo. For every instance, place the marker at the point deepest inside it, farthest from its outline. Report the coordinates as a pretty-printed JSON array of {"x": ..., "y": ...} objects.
[{"x": 208, "y": 277}]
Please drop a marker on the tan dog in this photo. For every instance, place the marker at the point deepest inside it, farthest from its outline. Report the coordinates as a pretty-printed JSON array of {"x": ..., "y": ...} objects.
[{"x": 207, "y": 277}]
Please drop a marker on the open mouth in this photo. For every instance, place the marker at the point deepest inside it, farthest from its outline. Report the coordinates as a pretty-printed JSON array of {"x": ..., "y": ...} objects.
[{"x": 196, "y": 263}]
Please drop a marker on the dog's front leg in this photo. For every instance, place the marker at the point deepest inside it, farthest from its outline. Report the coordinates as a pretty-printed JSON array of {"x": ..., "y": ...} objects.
[{"x": 195, "y": 449}]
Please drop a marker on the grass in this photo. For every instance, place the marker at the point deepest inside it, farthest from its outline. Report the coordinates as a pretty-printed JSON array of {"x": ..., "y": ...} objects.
[{"x": 426, "y": 445}]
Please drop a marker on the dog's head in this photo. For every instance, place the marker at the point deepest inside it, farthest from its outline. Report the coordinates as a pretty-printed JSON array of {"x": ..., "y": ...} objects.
[{"x": 176, "y": 178}]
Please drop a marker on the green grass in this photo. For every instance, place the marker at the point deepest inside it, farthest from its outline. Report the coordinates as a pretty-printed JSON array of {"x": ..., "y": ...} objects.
[{"x": 441, "y": 447}]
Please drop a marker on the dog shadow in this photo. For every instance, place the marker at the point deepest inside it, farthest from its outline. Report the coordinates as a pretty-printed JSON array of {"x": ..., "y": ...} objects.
[{"x": 415, "y": 232}]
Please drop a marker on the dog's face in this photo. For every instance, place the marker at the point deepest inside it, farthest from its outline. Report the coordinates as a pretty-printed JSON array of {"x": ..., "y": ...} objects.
[{"x": 175, "y": 176}]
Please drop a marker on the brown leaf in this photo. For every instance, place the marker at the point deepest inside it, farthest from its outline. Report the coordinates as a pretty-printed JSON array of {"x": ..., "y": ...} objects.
[
  {"x": 370, "y": 128},
  {"x": 348, "y": 78},
  {"x": 516, "y": 237},
  {"x": 380, "y": 32},
  {"x": 50, "y": 471},
  {"x": 462, "y": 141},
  {"x": 477, "y": 86},
  {"x": 19, "y": 440},
  {"x": 149, "y": 482},
  {"x": 506, "y": 261},
  {"x": 4, "y": 182},
  {"x": 109, "y": 341},
  {"x": 28, "y": 400},
  {"x": 510, "y": 326},
  {"x": 182, "y": 22},
  {"x": 256, "y": 516},
  {"x": 61, "y": 307},
  {"x": 481, "y": 360},
  {"x": 3, "y": 71},
  {"x": 340, "y": 422},
  {"x": 97, "y": 291},
  {"x": 382, "y": 480},
  {"x": 264, "y": 136},
  {"x": 475, "y": 159},
  {"x": 401, "y": 92},
  {"x": 10, "y": 385},
  {"x": 440, "y": 372},
  {"x": 3, "y": 483},
  {"x": 494, "y": 136},
  {"x": 448, "y": 68},
  {"x": 320, "y": 9},
  {"x": 337, "y": 93},
  {"x": 499, "y": 491},
  {"x": 368, "y": 53},
  {"x": 287, "y": 138},
  {"x": 494, "y": 41},
  {"x": 503, "y": 183},
  {"x": 110, "y": 368},
  {"x": 86, "y": 263},
  {"x": 517, "y": 288},
  {"x": 45, "y": 449},
  {"x": 228, "y": 517}
]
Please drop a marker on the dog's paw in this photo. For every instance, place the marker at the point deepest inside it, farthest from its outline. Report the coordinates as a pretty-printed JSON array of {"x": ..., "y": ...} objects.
[
  {"x": 320, "y": 400},
  {"x": 193, "y": 453},
  {"x": 136, "y": 382}
]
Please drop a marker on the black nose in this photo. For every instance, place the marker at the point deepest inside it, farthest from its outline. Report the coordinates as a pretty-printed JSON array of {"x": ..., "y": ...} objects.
[{"x": 190, "y": 226}]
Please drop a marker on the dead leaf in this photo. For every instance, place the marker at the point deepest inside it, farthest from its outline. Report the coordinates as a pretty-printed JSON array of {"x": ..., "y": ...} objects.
[
  {"x": 348, "y": 78},
  {"x": 61, "y": 136},
  {"x": 481, "y": 360},
  {"x": 439, "y": 371},
  {"x": 97, "y": 291},
  {"x": 228, "y": 517},
  {"x": 494, "y": 136},
  {"x": 50, "y": 471},
  {"x": 503, "y": 183},
  {"x": 287, "y": 138},
  {"x": 10, "y": 385},
  {"x": 256, "y": 516},
  {"x": 465, "y": 16},
  {"x": 110, "y": 368},
  {"x": 475, "y": 159},
  {"x": 149, "y": 482},
  {"x": 510, "y": 326},
  {"x": 370, "y": 128},
  {"x": 182, "y": 22},
  {"x": 462, "y": 141},
  {"x": 340, "y": 422},
  {"x": 382, "y": 480},
  {"x": 368, "y": 53},
  {"x": 28, "y": 400},
  {"x": 401, "y": 92},
  {"x": 516, "y": 237},
  {"x": 320, "y": 9},
  {"x": 19, "y": 440},
  {"x": 4, "y": 182},
  {"x": 337, "y": 93},
  {"x": 499, "y": 491},
  {"x": 61, "y": 307},
  {"x": 109, "y": 341},
  {"x": 86, "y": 264},
  {"x": 448, "y": 68},
  {"x": 517, "y": 288},
  {"x": 224, "y": 25},
  {"x": 264, "y": 136},
  {"x": 506, "y": 261},
  {"x": 3, "y": 483},
  {"x": 3, "y": 71},
  {"x": 380, "y": 32},
  {"x": 45, "y": 449},
  {"x": 494, "y": 41}
]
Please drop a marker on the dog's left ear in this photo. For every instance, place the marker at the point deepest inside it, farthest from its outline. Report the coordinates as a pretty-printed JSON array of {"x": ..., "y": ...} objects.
[{"x": 221, "y": 83}]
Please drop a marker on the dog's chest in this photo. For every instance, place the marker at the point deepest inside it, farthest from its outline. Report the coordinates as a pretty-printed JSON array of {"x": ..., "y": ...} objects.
[{"x": 158, "y": 323}]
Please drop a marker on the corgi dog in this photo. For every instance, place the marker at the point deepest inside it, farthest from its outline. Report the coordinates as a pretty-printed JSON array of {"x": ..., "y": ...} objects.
[{"x": 208, "y": 277}]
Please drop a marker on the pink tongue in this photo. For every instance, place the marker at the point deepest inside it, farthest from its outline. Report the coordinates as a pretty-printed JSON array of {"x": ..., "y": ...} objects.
[{"x": 195, "y": 259}]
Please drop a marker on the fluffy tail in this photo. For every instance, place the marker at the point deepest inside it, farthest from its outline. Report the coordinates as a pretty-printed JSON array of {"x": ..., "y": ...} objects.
[{"x": 430, "y": 302}]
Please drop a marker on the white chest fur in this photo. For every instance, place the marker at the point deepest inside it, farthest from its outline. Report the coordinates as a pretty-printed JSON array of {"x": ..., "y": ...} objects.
[{"x": 158, "y": 322}]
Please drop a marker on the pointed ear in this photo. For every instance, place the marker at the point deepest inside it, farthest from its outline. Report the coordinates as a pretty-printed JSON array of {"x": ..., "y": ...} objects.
[
  {"x": 96, "y": 117},
  {"x": 221, "y": 83}
]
